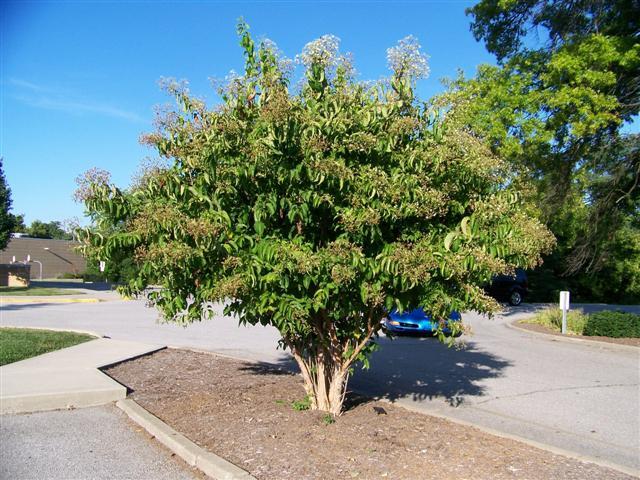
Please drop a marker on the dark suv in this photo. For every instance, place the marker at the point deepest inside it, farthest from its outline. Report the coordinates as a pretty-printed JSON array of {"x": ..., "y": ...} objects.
[{"x": 508, "y": 288}]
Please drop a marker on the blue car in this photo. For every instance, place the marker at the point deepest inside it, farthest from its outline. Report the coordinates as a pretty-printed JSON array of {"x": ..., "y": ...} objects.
[{"x": 416, "y": 321}]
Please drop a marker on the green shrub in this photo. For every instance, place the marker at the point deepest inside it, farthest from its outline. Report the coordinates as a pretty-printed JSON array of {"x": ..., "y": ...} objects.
[
  {"x": 552, "y": 318},
  {"x": 69, "y": 275},
  {"x": 92, "y": 277},
  {"x": 613, "y": 324},
  {"x": 301, "y": 405}
]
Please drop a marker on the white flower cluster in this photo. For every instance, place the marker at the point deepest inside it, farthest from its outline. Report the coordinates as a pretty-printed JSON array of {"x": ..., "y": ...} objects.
[
  {"x": 232, "y": 84},
  {"x": 406, "y": 59},
  {"x": 323, "y": 51},
  {"x": 269, "y": 44},
  {"x": 173, "y": 86},
  {"x": 233, "y": 76},
  {"x": 285, "y": 65}
]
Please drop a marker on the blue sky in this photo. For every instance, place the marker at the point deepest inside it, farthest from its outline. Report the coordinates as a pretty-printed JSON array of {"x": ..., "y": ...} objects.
[{"x": 79, "y": 80}]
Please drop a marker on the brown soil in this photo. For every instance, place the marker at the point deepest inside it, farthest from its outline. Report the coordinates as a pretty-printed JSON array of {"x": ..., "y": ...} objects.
[
  {"x": 242, "y": 412},
  {"x": 534, "y": 327}
]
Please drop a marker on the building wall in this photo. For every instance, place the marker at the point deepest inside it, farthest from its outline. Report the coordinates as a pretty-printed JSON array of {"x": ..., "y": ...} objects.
[
  {"x": 14, "y": 275},
  {"x": 60, "y": 257}
]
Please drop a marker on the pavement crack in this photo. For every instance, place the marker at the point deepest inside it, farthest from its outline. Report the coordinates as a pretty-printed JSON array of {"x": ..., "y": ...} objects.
[{"x": 546, "y": 390}]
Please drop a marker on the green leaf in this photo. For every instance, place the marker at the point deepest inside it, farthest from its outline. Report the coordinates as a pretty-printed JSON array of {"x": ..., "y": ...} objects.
[
  {"x": 448, "y": 240},
  {"x": 464, "y": 226}
]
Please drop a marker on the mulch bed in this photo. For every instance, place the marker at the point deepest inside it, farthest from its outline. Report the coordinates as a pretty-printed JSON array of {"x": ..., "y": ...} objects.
[
  {"x": 242, "y": 412},
  {"x": 534, "y": 327}
]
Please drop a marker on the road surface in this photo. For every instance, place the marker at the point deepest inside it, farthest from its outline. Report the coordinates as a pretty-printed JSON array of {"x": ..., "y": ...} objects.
[{"x": 578, "y": 397}]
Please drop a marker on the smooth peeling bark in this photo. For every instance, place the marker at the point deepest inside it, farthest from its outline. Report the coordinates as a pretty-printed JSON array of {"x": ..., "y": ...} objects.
[
  {"x": 325, "y": 367},
  {"x": 324, "y": 382}
]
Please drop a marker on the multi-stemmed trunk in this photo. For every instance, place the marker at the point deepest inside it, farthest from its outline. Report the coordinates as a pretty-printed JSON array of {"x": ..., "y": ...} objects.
[
  {"x": 324, "y": 382},
  {"x": 325, "y": 366}
]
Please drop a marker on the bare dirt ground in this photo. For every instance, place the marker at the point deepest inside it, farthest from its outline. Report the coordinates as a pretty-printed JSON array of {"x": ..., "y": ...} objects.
[
  {"x": 534, "y": 327},
  {"x": 242, "y": 412}
]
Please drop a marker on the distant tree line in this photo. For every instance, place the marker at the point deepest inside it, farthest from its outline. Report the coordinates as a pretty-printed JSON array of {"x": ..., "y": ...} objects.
[{"x": 39, "y": 229}]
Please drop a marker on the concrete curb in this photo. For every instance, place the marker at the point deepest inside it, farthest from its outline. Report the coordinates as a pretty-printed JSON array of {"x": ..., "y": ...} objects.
[
  {"x": 533, "y": 443},
  {"x": 214, "y": 466},
  {"x": 571, "y": 339},
  {"x": 5, "y": 300},
  {"x": 105, "y": 392}
]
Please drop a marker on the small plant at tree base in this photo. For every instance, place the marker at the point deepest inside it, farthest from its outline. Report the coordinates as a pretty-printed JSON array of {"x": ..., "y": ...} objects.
[
  {"x": 316, "y": 211},
  {"x": 328, "y": 419},
  {"x": 300, "y": 405}
]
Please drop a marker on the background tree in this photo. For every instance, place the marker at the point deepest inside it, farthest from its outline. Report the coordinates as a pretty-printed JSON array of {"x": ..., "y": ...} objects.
[
  {"x": 53, "y": 229},
  {"x": 7, "y": 220},
  {"x": 18, "y": 223},
  {"x": 316, "y": 211},
  {"x": 568, "y": 79}
]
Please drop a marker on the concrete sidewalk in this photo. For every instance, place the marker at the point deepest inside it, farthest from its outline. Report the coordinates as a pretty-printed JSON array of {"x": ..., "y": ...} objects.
[{"x": 67, "y": 378}]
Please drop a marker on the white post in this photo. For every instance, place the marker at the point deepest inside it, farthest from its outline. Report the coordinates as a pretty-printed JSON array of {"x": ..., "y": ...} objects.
[
  {"x": 39, "y": 263},
  {"x": 564, "y": 306}
]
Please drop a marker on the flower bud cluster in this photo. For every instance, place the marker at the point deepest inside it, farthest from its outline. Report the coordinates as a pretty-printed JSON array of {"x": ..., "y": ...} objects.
[
  {"x": 406, "y": 59},
  {"x": 323, "y": 52},
  {"x": 88, "y": 181}
]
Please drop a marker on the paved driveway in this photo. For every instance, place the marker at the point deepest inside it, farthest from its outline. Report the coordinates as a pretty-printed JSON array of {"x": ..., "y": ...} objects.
[
  {"x": 574, "y": 396},
  {"x": 89, "y": 443}
]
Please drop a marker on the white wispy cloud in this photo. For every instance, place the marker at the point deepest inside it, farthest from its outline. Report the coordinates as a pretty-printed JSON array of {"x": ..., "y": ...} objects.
[
  {"x": 40, "y": 96},
  {"x": 17, "y": 82}
]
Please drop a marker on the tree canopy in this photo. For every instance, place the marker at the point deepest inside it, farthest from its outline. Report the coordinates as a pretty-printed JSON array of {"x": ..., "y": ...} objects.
[
  {"x": 567, "y": 81},
  {"x": 316, "y": 209}
]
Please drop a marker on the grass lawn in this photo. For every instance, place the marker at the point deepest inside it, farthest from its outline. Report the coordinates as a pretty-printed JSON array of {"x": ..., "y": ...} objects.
[
  {"x": 552, "y": 319},
  {"x": 34, "y": 291},
  {"x": 20, "y": 343}
]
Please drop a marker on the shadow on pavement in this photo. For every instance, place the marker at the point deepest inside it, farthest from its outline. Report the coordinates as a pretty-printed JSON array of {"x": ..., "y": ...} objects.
[
  {"x": 423, "y": 368},
  {"x": 73, "y": 285},
  {"x": 417, "y": 368},
  {"x": 24, "y": 306}
]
